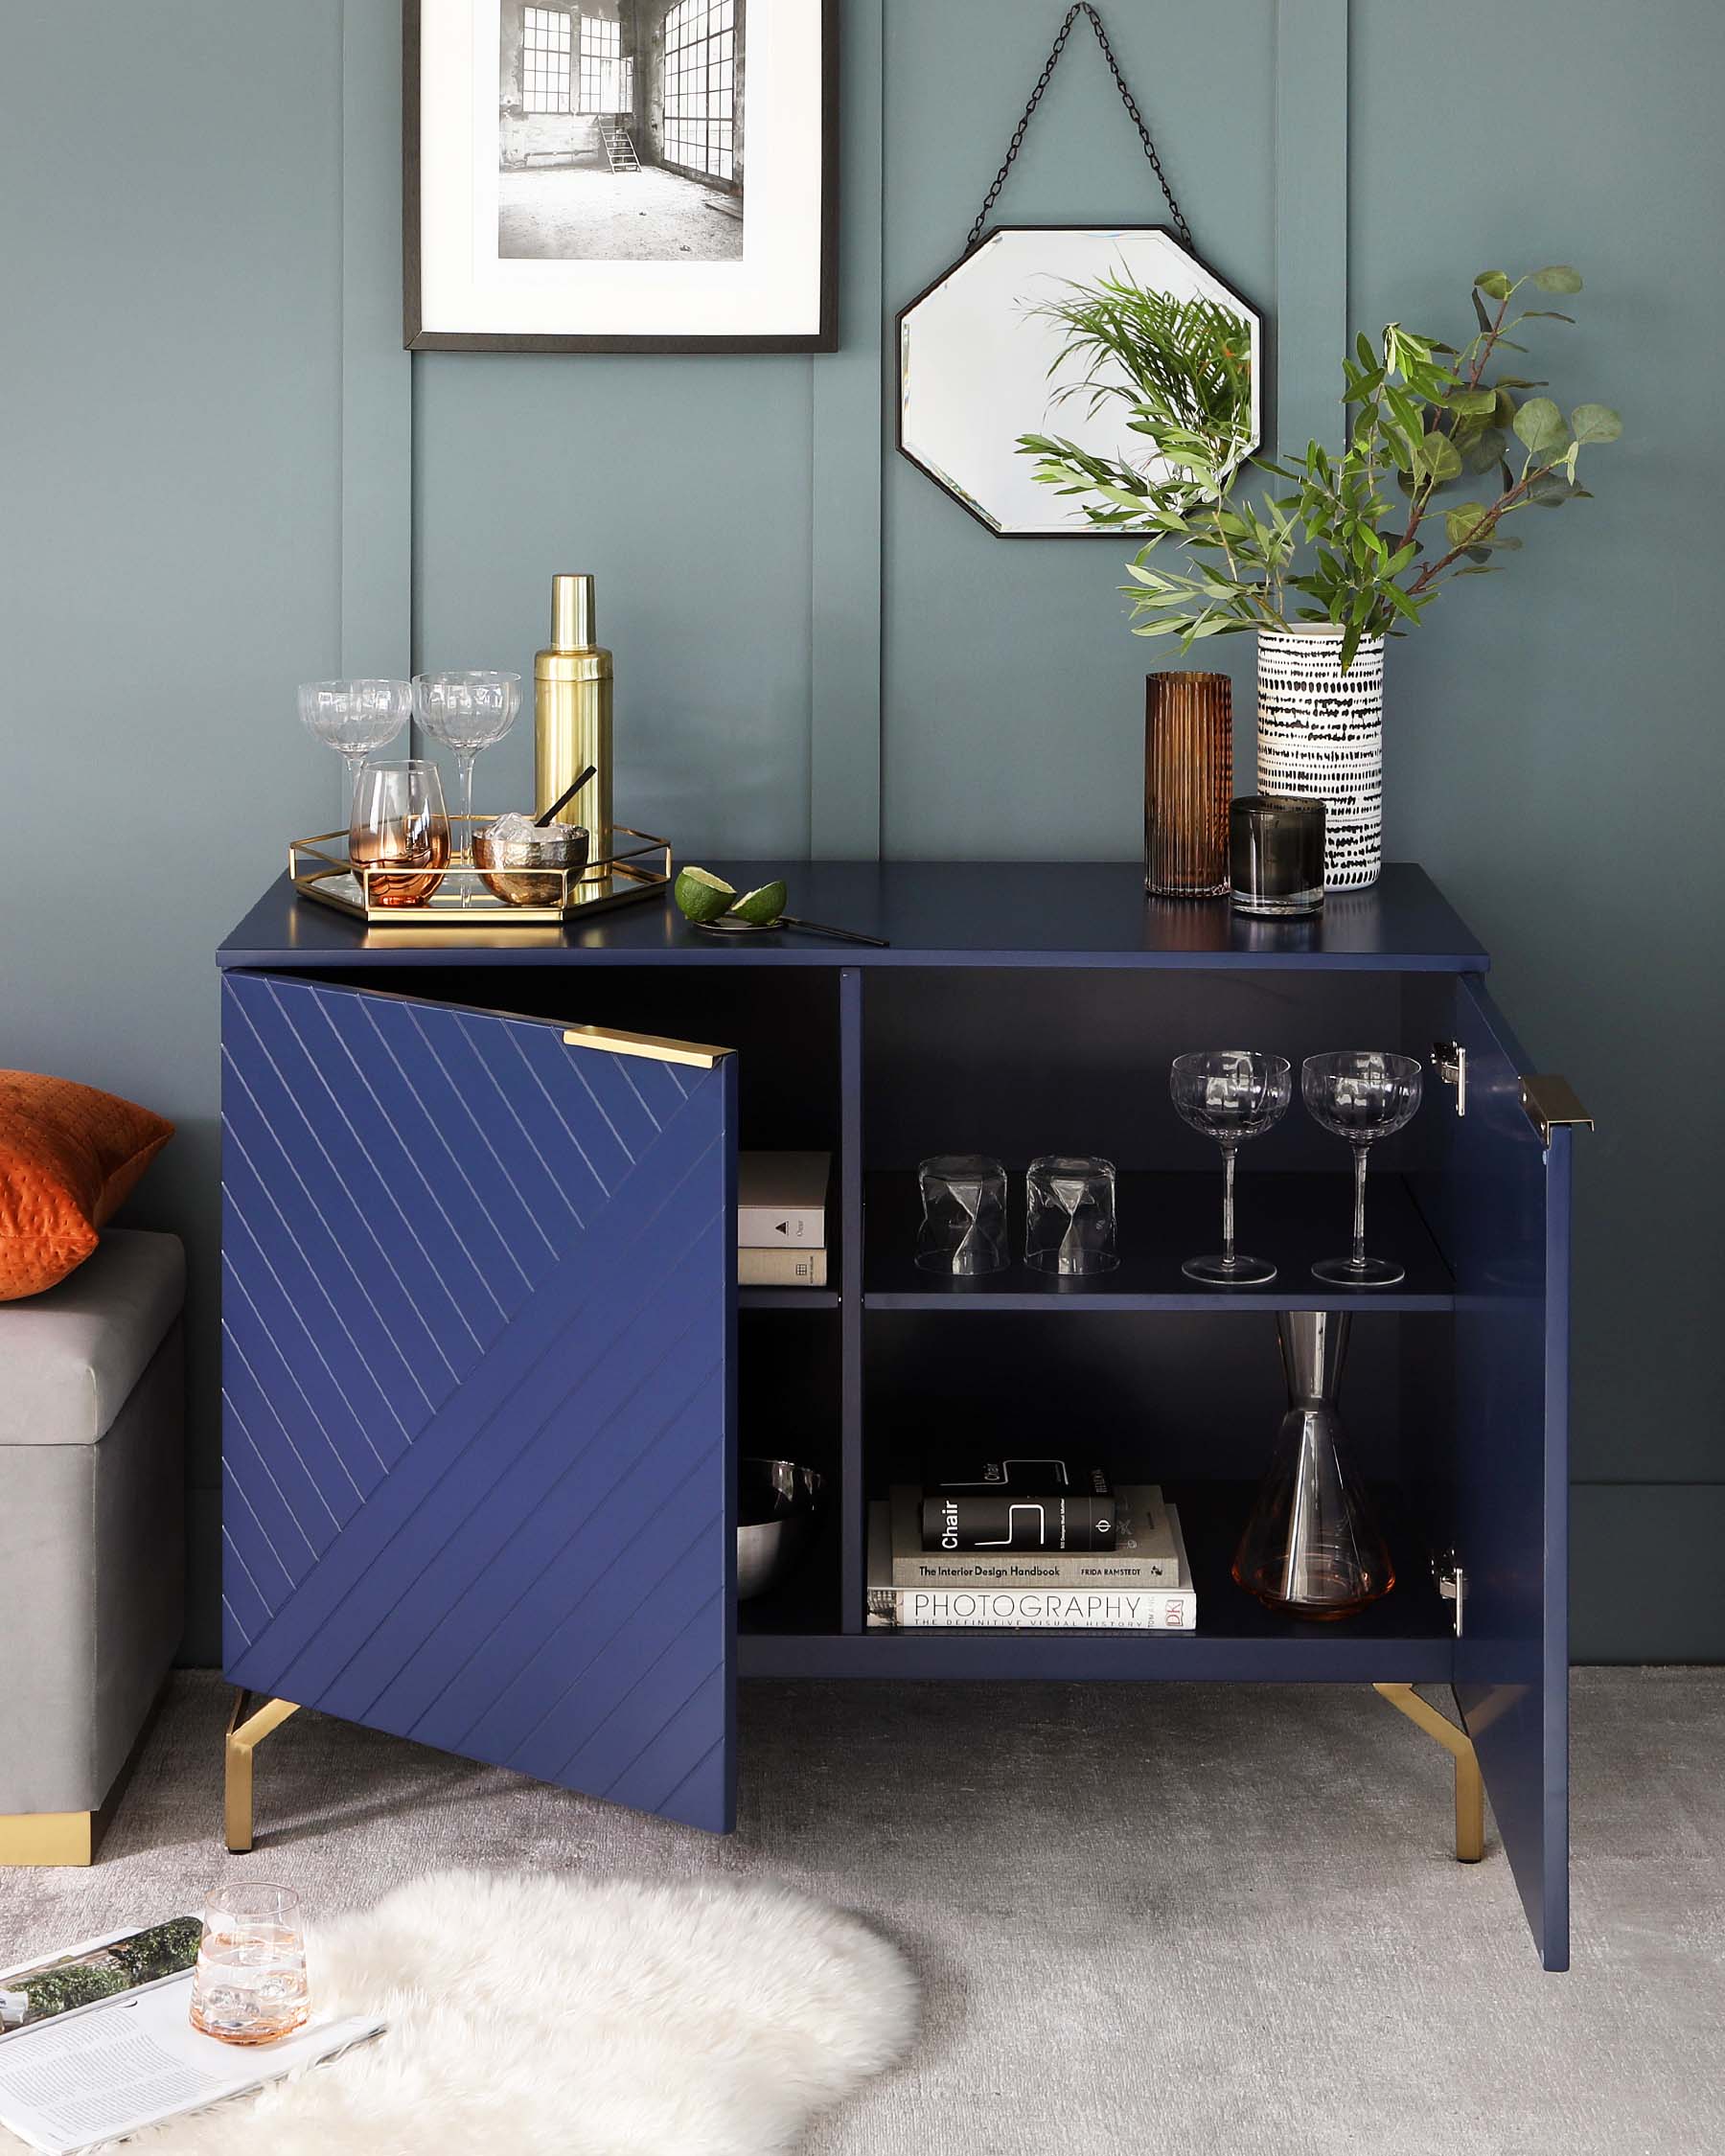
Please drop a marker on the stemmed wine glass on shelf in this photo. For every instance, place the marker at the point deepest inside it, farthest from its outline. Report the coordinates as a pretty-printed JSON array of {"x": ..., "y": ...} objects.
[
  {"x": 1230, "y": 1095},
  {"x": 468, "y": 711},
  {"x": 1361, "y": 1094}
]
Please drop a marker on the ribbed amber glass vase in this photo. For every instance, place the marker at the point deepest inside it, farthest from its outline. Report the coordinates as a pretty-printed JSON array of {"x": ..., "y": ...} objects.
[{"x": 1188, "y": 779}]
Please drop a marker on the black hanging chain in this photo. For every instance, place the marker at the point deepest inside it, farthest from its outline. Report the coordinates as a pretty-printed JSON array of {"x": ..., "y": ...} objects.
[{"x": 1083, "y": 8}]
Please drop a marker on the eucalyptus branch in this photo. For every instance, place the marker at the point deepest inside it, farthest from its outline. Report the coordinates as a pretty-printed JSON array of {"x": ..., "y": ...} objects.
[{"x": 1475, "y": 360}]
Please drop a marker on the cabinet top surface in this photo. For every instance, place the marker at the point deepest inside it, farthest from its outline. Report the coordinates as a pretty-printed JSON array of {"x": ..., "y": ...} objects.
[{"x": 932, "y": 914}]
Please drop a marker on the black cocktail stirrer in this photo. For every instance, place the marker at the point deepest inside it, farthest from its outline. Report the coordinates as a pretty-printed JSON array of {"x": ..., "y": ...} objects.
[
  {"x": 821, "y": 929},
  {"x": 545, "y": 821},
  {"x": 726, "y": 926}
]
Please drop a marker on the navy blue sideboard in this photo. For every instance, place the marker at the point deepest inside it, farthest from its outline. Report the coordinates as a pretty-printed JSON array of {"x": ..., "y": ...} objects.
[{"x": 488, "y": 1369}]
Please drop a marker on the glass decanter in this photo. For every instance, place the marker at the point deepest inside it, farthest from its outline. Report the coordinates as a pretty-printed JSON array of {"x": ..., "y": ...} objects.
[{"x": 1312, "y": 1545}]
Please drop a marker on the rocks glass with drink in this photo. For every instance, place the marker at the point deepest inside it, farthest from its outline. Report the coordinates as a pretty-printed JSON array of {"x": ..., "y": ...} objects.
[{"x": 249, "y": 1985}]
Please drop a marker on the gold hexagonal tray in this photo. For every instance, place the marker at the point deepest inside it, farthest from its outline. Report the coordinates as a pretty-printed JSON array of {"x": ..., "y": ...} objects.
[{"x": 637, "y": 867}]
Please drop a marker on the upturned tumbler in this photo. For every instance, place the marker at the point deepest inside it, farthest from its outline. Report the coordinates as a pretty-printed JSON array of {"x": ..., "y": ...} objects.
[
  {"x": 1070, "y": 1214},
  {"x": 963, "y": 1228}
]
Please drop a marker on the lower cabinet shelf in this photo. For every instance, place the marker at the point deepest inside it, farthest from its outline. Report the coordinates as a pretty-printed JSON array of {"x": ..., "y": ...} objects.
[
  {"x": 1204, "y": 1656},
  {"x": 1407, "y": 1637}
]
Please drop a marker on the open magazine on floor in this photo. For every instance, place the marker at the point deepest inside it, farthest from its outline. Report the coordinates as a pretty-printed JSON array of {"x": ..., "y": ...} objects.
[{"x": 96, "y": 2042}]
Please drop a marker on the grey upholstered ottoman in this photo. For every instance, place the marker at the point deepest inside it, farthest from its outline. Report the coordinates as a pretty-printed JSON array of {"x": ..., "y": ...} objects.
[{"x": 92, "y": 1536}]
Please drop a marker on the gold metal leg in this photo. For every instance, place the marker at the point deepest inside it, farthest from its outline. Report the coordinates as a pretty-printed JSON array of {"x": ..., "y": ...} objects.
[
  {"x": 1470, "y": 1790},
  {"x": 35, "y": 1838},
  {"x": 250, "y": 1724}
]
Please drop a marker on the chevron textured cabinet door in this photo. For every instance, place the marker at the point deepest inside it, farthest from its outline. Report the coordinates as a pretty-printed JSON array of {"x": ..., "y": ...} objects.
[{"x": 478, "y": 1370}]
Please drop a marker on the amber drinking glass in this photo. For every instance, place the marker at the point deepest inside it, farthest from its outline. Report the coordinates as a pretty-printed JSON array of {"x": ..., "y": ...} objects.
[
  {"x": 400, "y": 823},
  {"x": 249, "y": 1985},
  {"x": 1188, "y": 779}
]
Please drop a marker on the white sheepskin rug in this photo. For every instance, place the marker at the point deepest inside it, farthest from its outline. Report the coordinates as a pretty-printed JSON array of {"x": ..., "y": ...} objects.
[{"x": 579, "y": 2018}]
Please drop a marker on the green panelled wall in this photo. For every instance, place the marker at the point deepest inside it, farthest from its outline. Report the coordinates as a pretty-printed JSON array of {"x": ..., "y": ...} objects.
[
  {"x": 223, "y": 476},
  {"x": 171, "y": 554}
]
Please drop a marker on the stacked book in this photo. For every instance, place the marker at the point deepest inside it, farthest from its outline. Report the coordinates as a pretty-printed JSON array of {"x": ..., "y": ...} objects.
[
  {"x": 782, "y": 1219},
  {"x": 1049, "y": 1545}
]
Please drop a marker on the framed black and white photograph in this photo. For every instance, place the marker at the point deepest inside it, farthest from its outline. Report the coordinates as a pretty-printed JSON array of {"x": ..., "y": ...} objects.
[{"x": 620, "y": 175}]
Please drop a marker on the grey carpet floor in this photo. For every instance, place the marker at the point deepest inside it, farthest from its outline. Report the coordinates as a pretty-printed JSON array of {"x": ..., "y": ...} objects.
[{"x": 1219, "y": 1920}]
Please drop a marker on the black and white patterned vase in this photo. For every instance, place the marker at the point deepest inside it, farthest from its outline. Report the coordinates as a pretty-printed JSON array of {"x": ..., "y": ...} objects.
[{"x": 1321, "y": 732}]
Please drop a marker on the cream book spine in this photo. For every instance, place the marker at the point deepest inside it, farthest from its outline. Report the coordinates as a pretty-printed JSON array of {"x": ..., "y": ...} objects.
[
  {"x": 781, "y": 1269},
  {"x": 782, "y": 1200}
]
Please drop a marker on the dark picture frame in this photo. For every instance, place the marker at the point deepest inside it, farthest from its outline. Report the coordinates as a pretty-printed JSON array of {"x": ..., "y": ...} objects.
[{"x": 417, "y": 338}]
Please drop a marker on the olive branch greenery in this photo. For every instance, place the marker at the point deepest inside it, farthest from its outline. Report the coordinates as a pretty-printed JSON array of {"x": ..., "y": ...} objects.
[{"x": 1354, "y": 543}]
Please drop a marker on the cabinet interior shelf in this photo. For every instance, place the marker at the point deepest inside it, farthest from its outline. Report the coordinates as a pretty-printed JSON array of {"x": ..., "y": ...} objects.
[
  {"x": 1290, "y": 1219},
  {"x": 787, "y": 1298},
  {"x": 1406, "y": 1638}
]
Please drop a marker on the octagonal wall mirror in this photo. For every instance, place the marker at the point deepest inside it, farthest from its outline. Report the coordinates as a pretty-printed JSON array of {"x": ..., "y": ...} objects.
[{"x": 982, "y": 361}]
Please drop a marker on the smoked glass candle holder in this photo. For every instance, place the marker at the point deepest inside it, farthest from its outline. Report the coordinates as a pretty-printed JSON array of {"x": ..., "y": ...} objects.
[
  {"x": 400, "y": 824},
  {"x": 964, "y": 1215},
  {"x": 1070, "y": 1214},
  {"x": 1188, "y": 777},
  {"x": 249, "y": 1985},
  {"x": 1276, "y": 854}
]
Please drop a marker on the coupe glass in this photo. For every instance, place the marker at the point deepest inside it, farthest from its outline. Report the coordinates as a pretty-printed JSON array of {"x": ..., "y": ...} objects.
[
  {"x": 249, "y": 1985},
  {"x": 1360, "y": 1094},
  {"x": 1070, "y": 1214},
  {"x": 1230, "y": 1095},
  {"x": 467, "y": 712},
  {"x": 400, "y": 823},
  {"x": 357, "y": 719}
]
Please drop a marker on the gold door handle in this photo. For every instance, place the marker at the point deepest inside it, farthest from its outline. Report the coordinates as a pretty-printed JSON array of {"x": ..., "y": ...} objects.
[
  {"x": 648, "y": 1046},
  {"x": 1550, "y": 1103}
]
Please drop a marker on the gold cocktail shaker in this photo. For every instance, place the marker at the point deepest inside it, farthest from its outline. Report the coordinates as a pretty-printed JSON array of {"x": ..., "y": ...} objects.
[{"x": 572, "y": 714}]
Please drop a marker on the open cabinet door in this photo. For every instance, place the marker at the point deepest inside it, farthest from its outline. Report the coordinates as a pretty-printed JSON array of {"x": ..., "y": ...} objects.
[
  {"x": 1505, "y": 1228},
  {"x": 478, "y": 1366}
]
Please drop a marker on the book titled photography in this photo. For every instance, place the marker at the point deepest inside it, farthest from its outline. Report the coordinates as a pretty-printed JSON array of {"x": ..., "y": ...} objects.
[{"x": 1069, "y": 1605}]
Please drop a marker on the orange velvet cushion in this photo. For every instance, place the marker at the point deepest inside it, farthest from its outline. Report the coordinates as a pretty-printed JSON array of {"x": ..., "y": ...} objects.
[{"x": 68, "y": 1157}]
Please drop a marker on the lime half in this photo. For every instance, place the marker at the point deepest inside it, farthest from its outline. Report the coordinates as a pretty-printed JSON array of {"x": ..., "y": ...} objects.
[
  {"x": 763, "y": 906},
  {"x": 700, "y": 895}
]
